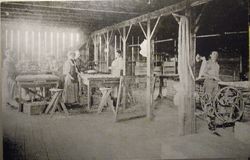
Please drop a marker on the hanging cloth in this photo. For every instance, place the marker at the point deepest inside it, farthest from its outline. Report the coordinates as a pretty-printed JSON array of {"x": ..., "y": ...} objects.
[
  {"x": 184, "y": 68},
  {"x": 143, "y": 47}
]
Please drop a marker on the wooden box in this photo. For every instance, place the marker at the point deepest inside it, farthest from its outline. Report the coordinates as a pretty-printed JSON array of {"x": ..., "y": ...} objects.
[
  {"x": 34, "y": 108},
  {"x": 169, "y": 67},
  {"x": 96, "y": 99},
  {"x": 83, "y": 100},
  {"x": 140, "y": 68}
]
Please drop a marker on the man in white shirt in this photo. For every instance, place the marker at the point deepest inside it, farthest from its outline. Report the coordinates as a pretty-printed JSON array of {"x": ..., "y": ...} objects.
[
  {"x": 116, "y": 70},
  {"x": 117, "y": 64}
]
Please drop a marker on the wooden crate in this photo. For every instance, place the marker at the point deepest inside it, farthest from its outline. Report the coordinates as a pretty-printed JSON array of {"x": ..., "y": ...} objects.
[
  {"x": 169, "y": 67},
  {"x": 140, "y": 68},
  {"x": 96, "y": 99},
  {"x": 83, "y": 100},
  {"x": 34, "y": 108}
]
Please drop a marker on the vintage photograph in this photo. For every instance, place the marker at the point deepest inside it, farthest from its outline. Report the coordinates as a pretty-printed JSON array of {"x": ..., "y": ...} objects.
[{"x": 125, "y": 79}]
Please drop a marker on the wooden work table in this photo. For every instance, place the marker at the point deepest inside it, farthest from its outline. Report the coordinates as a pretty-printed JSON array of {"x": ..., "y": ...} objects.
[
  {"x": 29, "y": 81},
  {"x": 237, "y": 84},
  {"x": 98, "y": 81},
  {"x": 161, "y": 77}
]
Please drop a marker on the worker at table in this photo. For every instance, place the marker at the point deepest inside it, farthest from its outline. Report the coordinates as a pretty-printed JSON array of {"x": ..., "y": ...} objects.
[
  {"x": 211, "y": 74},
  {"x": 9, "y": 76},
  {"x": 79, "y": 61},
  {"x": 210, "y": 71},
  {"x": 70, "y": 94},
  {"x": 80, "y": 66},
  {"x": 117, "y": 64},
  {"x": 116, "y": 70}
]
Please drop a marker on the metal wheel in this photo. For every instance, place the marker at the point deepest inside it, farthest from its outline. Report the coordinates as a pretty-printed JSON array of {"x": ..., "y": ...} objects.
[
  {"x": 206, "y": 100},
  {"x": 209, "y": 109},
  {"x": 228, "y": 105}
]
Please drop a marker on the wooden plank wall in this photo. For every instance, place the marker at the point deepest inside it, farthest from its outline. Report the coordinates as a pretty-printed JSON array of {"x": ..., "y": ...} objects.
[{"x": 35, "y": 42}]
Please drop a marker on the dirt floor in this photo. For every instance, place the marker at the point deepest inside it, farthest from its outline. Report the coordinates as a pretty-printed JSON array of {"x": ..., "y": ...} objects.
[{"x": 90, "y": 136}]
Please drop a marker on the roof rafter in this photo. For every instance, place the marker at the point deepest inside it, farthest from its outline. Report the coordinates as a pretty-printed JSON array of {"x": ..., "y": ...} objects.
[
  {"x": 76, "y": 9},
  {"x": 55, "y": 16},
  {"x": 155, "y": 14}
]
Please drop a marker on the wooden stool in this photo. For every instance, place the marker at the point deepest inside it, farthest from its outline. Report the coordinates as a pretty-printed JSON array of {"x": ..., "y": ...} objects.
[
  {"x": 55, "y": 101},
  {"x": 106, "y": 99}
]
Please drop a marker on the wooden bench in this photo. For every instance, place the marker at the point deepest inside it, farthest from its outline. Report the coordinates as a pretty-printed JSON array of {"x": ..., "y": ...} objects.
[{"x": 55, "y": 101}]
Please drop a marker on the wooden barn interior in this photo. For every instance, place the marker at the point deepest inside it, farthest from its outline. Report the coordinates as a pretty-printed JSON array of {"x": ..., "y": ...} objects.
[{"x": 55, "y": 106}]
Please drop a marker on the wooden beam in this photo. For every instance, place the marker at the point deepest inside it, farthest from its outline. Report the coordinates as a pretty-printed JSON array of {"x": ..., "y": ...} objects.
[
  {"x": 120, "y": 42},
  {"x": 18, "y": 45},
  {"x": 210, "y": 35},
  {"x": 217, "y": 35},
  {"x": 149, "y": 73},
  {"x": 115, "y": 43},
  {"x": 164, "y": 40},
  {"x": 143, "y": 30},
  {"x": 124, "y": 40},
  {"x": 44, "y": 22},
  {"x": 186, "y": 117},
  {"x": 73, "y": 8},
  {"x": 128, "y": 31},
  {"x": 133, "y": 57},
  {"x": 95, "y": 49},
  {"x": 120, "y": 32},
  {"x": 138, "y": 48},
  {"x": 134, "y": 45},
  {"x": 44, "y": 19},
  {"x": 155, "y": 14},
  {"x": 198, "y": 18},
  {"x": 153, "y": 31},
  {"x": 240, "y": 32},
  {"x": 88, "y": 15},
  {"x": 111, "y": 35},
  {"x": 42, "y": 15},
  {"x": 100, "y": 54},
  {"x": 105, "y": 38},
  {"x": 248, "y": 52},
  {"x": 107, "y": 43}
]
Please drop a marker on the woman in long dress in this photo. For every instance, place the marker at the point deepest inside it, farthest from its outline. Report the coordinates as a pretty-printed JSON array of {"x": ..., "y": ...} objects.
[
  {"x": 71, "y": 80},
  {"x": 9, "y": 76}
]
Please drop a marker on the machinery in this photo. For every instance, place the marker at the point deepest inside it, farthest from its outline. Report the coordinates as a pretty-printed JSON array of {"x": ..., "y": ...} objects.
[{"x": 228, "y": 104}]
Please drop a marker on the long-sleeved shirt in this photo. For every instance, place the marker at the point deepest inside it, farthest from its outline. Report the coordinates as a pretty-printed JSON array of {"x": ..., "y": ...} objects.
[
  {"x": 212, "y": 70},
  {"x": 117, "y": 66}
]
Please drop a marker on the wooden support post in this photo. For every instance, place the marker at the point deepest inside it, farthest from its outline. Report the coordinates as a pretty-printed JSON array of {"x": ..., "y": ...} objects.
[
  {"x": 100, "y": 53},
  {"x": 107, "y": 43},
  {"x": 175, "y": 46},
  {"x": 248, "y": 53},
  {"x": 39, "y": 46},
  {"x": 124, "y": 40},
  {"x": 138, "y": 49},
  {"x": 115, "y": 43},
  {"x": 95, "y": 49},
  {"x": 133, "y": 57},
  {"x": 187, "y": 116},
  {"x": 124, "y": 37},
  {"x": 120, "y": 42},
  {"x": 149, "y": 73}
]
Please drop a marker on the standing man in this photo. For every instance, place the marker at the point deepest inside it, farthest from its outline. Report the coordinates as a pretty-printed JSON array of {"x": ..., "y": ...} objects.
[
  {"x": 211, "y": 75},
  {"x": 116, "y": 70},
  {"x": 117, "y": 64}
]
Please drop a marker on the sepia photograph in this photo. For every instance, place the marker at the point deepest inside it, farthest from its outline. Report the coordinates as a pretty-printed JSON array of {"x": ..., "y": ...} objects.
[{"x": 125, "y": 80}]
